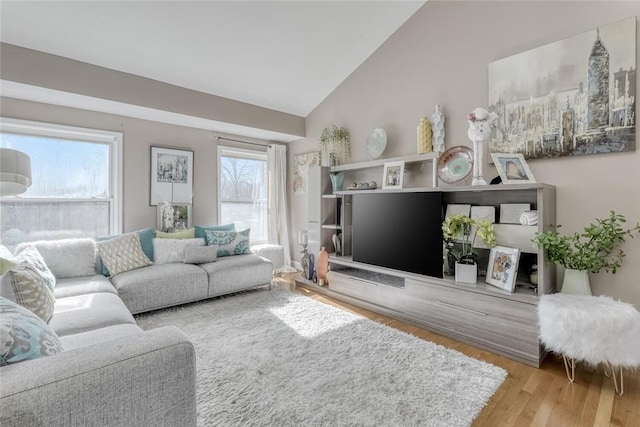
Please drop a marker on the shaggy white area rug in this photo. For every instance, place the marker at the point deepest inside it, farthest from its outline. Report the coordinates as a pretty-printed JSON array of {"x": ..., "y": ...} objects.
[{"x": 276, "y": 358}]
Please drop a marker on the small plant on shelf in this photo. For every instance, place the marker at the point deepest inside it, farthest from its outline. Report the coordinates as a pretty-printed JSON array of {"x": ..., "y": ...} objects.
[
  {"x": 459, "y": 229},
  {"x": 335, "y": 147},
  {"x": 596, "y": 248}
]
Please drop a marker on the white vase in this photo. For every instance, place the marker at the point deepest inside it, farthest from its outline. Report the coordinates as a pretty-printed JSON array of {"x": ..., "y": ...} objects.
[
  {"x": 437, "y": 127},
  {"x": 576, "y": 282},
  {"x": 466, "y": 273}
]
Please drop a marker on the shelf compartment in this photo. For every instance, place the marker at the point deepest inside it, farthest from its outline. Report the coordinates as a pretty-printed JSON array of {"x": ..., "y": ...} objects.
[{"x": 414, "y": 158}]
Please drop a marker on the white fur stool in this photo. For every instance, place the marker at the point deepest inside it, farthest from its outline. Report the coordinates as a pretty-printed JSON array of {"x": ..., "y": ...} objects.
[{"x": 591, "y": 329}]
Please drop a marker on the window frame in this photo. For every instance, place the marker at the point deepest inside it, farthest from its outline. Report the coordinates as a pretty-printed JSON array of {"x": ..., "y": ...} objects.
[
  {"x": 113, "y": 139},
  {"x": 232, "y": 151}
]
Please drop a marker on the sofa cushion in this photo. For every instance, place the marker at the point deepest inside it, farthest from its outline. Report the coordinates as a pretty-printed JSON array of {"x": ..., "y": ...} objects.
[
  {"x": 25, "y": 285},
  {"x": 167, "y": 251},
  {"x": 122, "y": 254},
  {"x": 234, "y": 273},
  {"x": 186, "y": 234},
  {"x": 161, "y": 285},
  {"x": 198, "y": 255},
  {"x": 66, "y": 257},
  {"x": 230, "y": 242},
  {"x": 83, "y": 313},
  {"x": 96, "y": 336},
  {"x": 32, "y": 256},
  {"x": 201, "y": 231},
  {"x": 24, "y": 336},
  {"x": 83, "y": 285},
  {"x": 145, "y": 235}
]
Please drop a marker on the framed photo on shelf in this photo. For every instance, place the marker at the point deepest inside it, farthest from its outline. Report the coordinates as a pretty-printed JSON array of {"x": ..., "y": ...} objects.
[
  {"x": 393, "y": 175},
  {"x": 503, "y": 267},
  {"x": 513, "y": 168},
  {"x": 173, "y": 217},
  {"x": 171, "y": 176}
]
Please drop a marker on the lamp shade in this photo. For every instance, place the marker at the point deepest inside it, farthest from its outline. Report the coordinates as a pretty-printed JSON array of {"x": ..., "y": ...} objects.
[{"x": 15, "y": 172}]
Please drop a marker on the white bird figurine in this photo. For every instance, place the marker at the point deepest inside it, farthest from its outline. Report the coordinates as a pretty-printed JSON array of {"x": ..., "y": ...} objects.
[{"x": 480, "y": 122}]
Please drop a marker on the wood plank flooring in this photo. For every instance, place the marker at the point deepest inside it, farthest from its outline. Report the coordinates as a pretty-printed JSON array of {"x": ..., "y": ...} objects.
[{"x": 530, "y": 396}]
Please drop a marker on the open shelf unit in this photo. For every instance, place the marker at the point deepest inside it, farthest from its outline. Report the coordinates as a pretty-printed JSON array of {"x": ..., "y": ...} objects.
[{"x": 478, "y": 314}]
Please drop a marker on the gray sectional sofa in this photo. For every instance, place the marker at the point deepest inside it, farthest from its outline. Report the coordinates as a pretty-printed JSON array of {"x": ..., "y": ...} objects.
[{"x": 111, "y": 372}]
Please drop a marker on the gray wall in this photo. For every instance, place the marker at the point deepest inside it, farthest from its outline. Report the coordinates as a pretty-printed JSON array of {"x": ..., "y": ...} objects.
[
  {"x": 139, "y": 136},
  {"x": 440, "y": 56}
]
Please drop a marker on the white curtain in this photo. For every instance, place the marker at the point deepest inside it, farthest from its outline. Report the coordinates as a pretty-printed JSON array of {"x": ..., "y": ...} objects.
[{"x": 278, "y": 232}]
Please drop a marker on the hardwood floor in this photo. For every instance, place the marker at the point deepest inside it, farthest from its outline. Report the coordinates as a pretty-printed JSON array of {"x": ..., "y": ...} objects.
[{"x": 530, "y": 396}]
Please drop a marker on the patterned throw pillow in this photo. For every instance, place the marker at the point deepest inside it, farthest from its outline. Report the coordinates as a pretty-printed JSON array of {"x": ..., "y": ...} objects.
[
  {"x": 145, "y": 235},
  {"x": 122, "y": 254},
  {"x": 31, "y": 256},
  {"x": 230, "y": 242},
  {"x": 23, "y": 284},
  {"x": 23, "y": 336}
]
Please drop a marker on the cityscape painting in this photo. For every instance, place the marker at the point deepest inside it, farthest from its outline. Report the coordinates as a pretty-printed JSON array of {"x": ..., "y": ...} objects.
[{"x": 568, "y": 98}]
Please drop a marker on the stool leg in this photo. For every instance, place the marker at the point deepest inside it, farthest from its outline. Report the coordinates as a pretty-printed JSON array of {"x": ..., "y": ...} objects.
[
  {"x": 571, "y": 362},
  {"x": 619, "y": 387}
]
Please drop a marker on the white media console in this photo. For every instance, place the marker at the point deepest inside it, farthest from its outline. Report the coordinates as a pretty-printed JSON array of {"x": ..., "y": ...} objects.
[{"x": 477, "y": 314}]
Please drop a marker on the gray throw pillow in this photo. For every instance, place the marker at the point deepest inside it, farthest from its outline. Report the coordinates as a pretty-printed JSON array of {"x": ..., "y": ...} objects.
[{"x": 200, "y": 255}]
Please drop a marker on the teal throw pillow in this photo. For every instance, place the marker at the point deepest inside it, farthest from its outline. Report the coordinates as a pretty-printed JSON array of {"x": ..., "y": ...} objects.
[
  {"x": 201, "y": 232},
  {"x": 146, "y": 236},
  {"x": 24, "y": 336},
  {"x": 230, "y": 242}
]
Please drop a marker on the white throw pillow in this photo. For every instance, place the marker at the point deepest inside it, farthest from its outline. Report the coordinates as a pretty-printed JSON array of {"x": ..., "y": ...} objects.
[
  {"x": 167, "y": 251},
  {"x": 122, "y": 254},
  {"x": 66, "y": 257}
]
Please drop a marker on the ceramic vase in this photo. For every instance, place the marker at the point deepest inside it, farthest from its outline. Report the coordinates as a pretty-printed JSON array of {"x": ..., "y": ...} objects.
[
  {"x": 307, "y": 266},
  {"x": 323, "y": 266},
  {"x": 576, "y": 282},
  {"x": 425, "y": 144},
  {"x": 466, "y": 273},
  {"x": 437, "y": 127},
  {"x": 337, "y": 180}
]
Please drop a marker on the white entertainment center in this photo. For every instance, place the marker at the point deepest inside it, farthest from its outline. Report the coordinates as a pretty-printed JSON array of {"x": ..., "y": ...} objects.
[{"x": 480, "y": 314}]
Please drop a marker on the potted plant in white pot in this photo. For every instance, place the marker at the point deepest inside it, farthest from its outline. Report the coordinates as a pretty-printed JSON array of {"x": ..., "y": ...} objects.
[
  {"x": 595, "y": 249},
  {"x": 459, "y": 232}
]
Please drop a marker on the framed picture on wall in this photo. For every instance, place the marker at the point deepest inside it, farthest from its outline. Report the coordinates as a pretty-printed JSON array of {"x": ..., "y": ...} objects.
[
  {"x": 513, "y": 168},
  {"x": 503, "y": 267},
  {"x": 393, "y": 175},
  {"x": 171, "y": 176},
  {"x": 173, "y": 217}
]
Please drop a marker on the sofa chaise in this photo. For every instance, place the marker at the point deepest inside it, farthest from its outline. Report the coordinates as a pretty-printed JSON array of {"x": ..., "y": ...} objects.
[{"x": 110, "y": 371}]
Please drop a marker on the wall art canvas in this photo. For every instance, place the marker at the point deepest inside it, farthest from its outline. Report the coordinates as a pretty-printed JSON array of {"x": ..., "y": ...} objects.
[
  {"x": 173, "y": 217},
  {"x": 301, "y": 171},
  {"x": 171, "y": 176},
  {"x": 569, "y": 98}
]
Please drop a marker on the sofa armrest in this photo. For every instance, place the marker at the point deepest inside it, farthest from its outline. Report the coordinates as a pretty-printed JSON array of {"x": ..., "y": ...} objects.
[{"x": 143, "y": 379}]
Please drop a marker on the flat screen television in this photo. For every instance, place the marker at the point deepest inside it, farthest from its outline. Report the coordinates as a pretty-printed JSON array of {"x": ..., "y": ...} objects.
[{"x": 402, "y": 231}]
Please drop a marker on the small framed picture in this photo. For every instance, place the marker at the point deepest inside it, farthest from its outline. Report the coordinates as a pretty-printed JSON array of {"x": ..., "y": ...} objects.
[
  {"x": 171, "y": 176},
  {"x": 513, "y": 168},
  {"x": 173, "y": 217},
  {"x": 503, "y": 267},
  {"x": 393, "y": 175}
]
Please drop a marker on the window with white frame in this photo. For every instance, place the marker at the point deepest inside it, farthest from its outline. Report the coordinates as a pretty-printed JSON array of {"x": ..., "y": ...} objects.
[
  {"x": 76, "y": 186},
  {"x": 243, "y": 190}
]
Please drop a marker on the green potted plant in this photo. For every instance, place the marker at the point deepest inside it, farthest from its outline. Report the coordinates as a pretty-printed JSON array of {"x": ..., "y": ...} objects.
[
  {"x": 335, "y": 147},
  {"x": 594, "y": 249},
  {"x": 457, "y": 231}
]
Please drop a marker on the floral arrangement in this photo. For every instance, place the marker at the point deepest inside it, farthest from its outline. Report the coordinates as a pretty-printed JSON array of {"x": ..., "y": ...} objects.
[
  {"x": 457, "y": 225},
  {"x": 334, "y": 141}
]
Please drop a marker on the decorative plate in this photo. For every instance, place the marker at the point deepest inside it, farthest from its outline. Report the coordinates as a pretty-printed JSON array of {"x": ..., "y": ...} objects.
[
  {"x": 455, "y": 164},
  {"x": 376, "y": 143}
]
